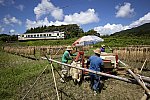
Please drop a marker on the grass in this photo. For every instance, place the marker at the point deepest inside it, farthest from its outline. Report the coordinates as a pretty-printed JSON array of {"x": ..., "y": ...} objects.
[
  {"x": 109, "y": 41},
  {"x": 15, "y": 70},
  {"x": 18, "y": 73}
]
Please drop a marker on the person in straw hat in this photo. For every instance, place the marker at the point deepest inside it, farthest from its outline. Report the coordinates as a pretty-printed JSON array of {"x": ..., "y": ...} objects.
[
  {"x": 66, "y": 56},
  {"x": 96, "y": 64}
]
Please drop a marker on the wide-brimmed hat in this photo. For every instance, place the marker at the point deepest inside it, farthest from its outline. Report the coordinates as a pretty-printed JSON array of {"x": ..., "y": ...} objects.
[
  {"x": 103, "y": 45},
  {"x": 69, "y": 48},
  {"x": 98, "y": 51}
]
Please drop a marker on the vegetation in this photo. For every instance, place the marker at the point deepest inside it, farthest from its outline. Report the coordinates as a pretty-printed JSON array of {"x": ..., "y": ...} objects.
[
  {"x": 15, "y": 70},
  {"x": 141, "y": 31},
  {"x": 71, "y": 30},
  {"x": 18, "y": 74},
  {"x": 123, "y": 42},
  {"x": 6, "y": 38}
]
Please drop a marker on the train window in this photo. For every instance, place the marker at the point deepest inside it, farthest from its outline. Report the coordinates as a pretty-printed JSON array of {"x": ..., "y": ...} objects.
[
  {"x": 44, "y": 34},
  {"x": 57, "y": 34},
  {"x": 37, "y": 35},
  {"x": 31, "y": 35},
  {"x": 34, "y": 35},
  {"x": 22, "y": 35},
  {"x": 28, "y": 35},
  {"x": 49, "y": 34},
  {"x": 40, "y": 35}
]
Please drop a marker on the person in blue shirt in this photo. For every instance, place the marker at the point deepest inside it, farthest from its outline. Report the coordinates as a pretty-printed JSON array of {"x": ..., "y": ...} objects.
[
  {"x": 102, "y": 49},
  {"x": 96, "y": 64}
]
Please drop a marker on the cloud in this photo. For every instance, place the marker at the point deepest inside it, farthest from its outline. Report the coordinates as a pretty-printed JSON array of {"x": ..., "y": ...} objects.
[
  {"x": 20, "y": 7},
  {"x": 2, "y": 2},
  {"x": 8, "y": 20},
  {"x": 142, "y": 20},
  {"x": 39, "y": 23},
  {"x": 6, "y": 2},
  {"x": 86, "y": 17},
  {"x": 110, "y": 28},
  {"x": 125, "y": 11},
  {"x": 12, "y": 31},
  {"x": 45, "y": 8},
  {"x": 2, "y": 29}
]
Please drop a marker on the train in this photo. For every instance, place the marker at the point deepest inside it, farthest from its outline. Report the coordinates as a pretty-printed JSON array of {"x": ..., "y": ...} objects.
[{"x": 41, "y": 36}]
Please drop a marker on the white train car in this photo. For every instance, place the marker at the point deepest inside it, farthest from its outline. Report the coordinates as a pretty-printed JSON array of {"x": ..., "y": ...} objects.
[{"x": 41, "y": 36}]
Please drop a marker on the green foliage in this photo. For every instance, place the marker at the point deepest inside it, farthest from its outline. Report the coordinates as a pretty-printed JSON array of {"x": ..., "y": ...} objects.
[
  {"x": 141, "y": 31},
  {"x": 46, "y": 42},
  {"x": 123, "y": 42},
  {"x": 8, "y": 38},
  {"x": 72, "y": 30},
  {"x": 14, "y": 71},
  {"x": 92, "y": 32}
]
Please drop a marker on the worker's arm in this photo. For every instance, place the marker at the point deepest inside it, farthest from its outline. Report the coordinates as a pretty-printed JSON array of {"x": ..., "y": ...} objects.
[
  {"x": 67, "y": 56},
  {"x": 73, "y": 54}
]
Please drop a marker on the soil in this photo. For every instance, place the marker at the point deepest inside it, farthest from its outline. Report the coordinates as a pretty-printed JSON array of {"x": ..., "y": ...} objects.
[{"x": 112, "y": 90}]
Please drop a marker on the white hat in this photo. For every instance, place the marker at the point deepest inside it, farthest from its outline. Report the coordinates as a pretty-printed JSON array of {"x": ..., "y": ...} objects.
[
  {"x": 69, "y": 48},
  {"x": 103, "y": 45},
  {"x": 98, "y": 51}
]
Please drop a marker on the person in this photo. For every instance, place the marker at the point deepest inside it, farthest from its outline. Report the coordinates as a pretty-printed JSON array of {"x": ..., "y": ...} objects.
[
  {"x": 102, "y": 49},
  {"x": 65, "y": 58},
  {"x": 96, "y": 64}
]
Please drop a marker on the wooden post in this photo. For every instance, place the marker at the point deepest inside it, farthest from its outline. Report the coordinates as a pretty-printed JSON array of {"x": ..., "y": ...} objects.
[
  {"x": 143, "y": 65},
  {"x": 55, "y": 81},
  {"x": 144, "y": 97},
  {"x": 98, "y": 73},
  {"x": 139, "y": 81},
  {"x": 144, "y": 78}
]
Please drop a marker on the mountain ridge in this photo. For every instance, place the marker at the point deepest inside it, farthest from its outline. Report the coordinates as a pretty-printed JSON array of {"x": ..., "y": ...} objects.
[{"x": 140, "y": 31}]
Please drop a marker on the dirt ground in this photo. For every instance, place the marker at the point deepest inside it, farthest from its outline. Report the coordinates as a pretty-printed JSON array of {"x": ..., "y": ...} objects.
[{"x": 113, "y": 89}]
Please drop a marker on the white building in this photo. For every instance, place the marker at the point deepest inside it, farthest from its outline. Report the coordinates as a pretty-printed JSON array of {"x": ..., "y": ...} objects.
[{"x": 41, "y": 36}]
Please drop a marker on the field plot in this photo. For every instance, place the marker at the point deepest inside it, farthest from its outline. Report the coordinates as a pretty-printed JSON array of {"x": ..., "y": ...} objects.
[{"x": 18, "y": 74}]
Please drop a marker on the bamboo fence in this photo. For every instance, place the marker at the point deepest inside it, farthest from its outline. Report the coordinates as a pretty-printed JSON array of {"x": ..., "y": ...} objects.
[
  {"x": 38, "y": 51},
  {"x": 133, "y": 53}
]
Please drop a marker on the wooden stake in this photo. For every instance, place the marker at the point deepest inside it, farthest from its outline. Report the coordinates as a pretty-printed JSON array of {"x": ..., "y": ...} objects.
[
  {"x": 144, "y": 97},
  {"x": 140, "y": 82},
  {"x": 143, "y": 65},
  {"x": 98, "y": 73}
]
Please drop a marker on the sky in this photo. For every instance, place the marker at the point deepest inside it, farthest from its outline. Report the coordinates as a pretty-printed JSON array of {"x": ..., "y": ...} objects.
[{"x": 104, "y": 16}]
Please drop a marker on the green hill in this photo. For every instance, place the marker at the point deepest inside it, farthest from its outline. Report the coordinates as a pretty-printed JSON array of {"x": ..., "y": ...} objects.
[{"x": 140, "y": 31}]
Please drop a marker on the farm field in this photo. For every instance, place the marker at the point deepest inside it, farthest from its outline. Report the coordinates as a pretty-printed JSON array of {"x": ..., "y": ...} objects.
[
  {"x": 19, "y": 73},
  {"x": 37, "y": 36}
]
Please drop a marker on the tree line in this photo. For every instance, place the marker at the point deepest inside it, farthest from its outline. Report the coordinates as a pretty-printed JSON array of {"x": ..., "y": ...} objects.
[{"x": 71, "y": 30}]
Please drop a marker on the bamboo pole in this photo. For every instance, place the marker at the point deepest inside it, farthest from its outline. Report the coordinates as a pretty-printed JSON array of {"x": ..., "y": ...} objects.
[
  {"x": 140, "y": 82},
  {"x": 144, "y": 78},
  {"x": 98, "y": 73},
  {"x": 34, "y": 83},
  {"x": 55, "y": 81},
  {"x": 143, "y": 65},
  {"x": 144, "y": 97}
]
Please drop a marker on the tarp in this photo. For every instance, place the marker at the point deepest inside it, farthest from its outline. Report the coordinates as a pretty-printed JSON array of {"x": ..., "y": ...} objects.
[{"x": 87, "y": 40}]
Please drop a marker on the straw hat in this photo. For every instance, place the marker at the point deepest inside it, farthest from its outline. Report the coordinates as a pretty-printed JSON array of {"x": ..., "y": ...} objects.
[
  {"x": 103, "y": 45},
  {"x": 97, "y": 51},
  {"x": 69, "y": 48}
]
